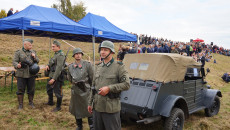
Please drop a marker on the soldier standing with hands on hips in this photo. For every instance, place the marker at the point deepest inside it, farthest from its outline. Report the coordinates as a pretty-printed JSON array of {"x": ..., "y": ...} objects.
[
  {"x": 25, "y": 62},
  {"x": 54, "y": 71},
  {"x": 80, "y": 74},
  {"x": 110, "y": 79}
]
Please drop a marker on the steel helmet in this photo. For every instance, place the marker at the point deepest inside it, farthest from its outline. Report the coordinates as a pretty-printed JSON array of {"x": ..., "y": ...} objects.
[
  {"x": 77, "y": 50},
  {"x": 34, "y": 69},
  {"x": 107, "y": 44}
]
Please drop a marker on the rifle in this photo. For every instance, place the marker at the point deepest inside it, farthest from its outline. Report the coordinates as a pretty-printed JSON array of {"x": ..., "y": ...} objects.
[{"x": 63, "y": 66}]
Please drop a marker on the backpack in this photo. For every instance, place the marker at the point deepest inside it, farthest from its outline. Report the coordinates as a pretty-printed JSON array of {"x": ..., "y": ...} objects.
[{"x": 226, "y": 77}]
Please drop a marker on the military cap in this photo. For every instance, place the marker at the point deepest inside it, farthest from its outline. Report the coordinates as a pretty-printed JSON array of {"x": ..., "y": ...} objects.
[
  {"x": 108, "y": 44},
  {"x": 77, "y": 50},
  {"x": 29, "y": 40},
  {"x": 57, "y": 43}
]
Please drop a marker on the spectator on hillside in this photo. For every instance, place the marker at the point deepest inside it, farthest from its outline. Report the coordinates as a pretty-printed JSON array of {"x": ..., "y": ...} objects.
[
  {"x": 141, "y": 39},
  {"x": 143, "y": 48},
  {"x": 160, "y": 49},
  {"x": 184, "y": 50},
  {"x": 119, "y": 51},
  {"x": 199, "y": 49},
  {"x": 190, "y": 50},
  {"x": 145, "y": 40},
  {"x": 149, "y": 49},
  {"x": 10, "y": 12},
  {"x": 177, "y": 48},
  {"x": 139, "y": 50},
  {"x": 155, "y": 48},
  {"x": 122, "y": 53},
  {"x": 194, "y": 48},
  {"x": 132, "y": 50},
  {"x": 169, "y": 46},
  {"x": 173, "y": 50},
  {"x": 166, "y": 48}
]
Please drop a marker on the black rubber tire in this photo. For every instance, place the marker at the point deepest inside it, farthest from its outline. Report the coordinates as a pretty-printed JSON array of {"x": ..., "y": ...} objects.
[
  {"x": 175, "y": 121},
  {"x": 214, "y": 109}
]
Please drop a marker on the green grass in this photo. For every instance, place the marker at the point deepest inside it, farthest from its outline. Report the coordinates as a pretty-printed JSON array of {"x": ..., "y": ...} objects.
[{"x": 41, "y": 117}]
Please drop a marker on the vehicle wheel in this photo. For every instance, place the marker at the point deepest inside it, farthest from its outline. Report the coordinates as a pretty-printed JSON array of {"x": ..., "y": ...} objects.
[
  {"x": 175, "y": 121},
  {"x": 214, "y": 109}
]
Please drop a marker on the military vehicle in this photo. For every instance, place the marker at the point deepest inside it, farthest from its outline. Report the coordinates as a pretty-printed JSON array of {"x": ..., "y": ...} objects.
[{"x": 166, "y": 87}]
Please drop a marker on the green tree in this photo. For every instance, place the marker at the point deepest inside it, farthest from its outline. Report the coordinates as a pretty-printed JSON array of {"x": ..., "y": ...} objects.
[
  {"x": 75, "y": 12},
  {"x": 54, "y": 6},
  {"x": 69, "y": 10},
  {"x": 79, "y": 11},
  {"x": 3, "y": 13}
]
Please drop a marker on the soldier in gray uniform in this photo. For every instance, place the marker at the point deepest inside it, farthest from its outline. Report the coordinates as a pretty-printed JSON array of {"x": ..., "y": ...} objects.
[
  {"x": 23, "y": 59},
  {"x": 54, "y": 69},
  {"x": 110, "y": 79},
  {"x": 80, "y": 74}
]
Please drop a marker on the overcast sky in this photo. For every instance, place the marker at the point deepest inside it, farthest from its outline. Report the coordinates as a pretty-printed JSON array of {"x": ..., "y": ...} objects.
[{"x": 178, "y": 20}]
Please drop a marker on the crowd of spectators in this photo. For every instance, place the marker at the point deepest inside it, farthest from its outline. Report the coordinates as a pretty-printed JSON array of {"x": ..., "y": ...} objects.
[{"x": 161, "y": 45}]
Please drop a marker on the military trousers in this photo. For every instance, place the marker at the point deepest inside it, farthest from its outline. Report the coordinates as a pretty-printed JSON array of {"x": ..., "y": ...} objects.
[
  {"x": 55, "y": 88},
  {"x": 23, "y": 83},
  {"x": 106, "y": 121}
]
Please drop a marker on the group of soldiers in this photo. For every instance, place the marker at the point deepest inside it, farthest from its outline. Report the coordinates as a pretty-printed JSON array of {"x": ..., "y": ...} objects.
[{"x": 95, "y": 94}]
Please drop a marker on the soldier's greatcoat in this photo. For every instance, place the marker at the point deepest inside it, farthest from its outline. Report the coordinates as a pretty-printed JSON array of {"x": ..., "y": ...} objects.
[{"x": 79, "y": 98}]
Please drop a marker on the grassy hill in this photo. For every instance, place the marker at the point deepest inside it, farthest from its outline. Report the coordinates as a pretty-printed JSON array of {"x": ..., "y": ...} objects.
[
  {"x": 42, "y": 118},
  {"x": 11, "y": 43}
]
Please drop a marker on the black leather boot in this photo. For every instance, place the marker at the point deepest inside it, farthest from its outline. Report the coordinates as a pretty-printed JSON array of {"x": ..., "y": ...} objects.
[
  {"x": 50, "y": 100},
  {"x": 79, "y": 124},
  {"x": 20, "y": 102},
  {"x": 90, "y": 122},
  {"x": 58, "y": 106},
  {"x": 31, "y": 97}
]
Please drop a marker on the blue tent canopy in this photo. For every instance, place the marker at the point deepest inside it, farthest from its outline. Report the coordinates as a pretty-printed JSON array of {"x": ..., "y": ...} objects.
[
  {"x": 104, "y": 29},
  {"x": 42, "y": 21}
]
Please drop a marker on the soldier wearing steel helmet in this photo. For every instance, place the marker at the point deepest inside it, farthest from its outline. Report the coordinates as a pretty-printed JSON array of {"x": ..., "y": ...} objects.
[
  {"x": 80, "y": 74},
  {"x": 110, "y": 79},
  {"x": 56, "y": 80},
  {"x": 24, "y": 59}
]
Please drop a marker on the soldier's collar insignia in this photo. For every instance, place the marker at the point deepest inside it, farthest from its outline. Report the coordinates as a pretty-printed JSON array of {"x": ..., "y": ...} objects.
[
  {"x": 109, "y": 63},
  {"x": 58, "y": 51},
  {"x": 78, "y": 65},
  {"x": 24, "y": 49}
]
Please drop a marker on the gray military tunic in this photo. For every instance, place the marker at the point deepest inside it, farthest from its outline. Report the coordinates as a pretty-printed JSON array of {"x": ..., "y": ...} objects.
[
  {"x": 21, "y": 56},
  {"x": 79, "y": 98},
  {"x": 24, "y": 78},
  {"x": 115, "y": 76}
]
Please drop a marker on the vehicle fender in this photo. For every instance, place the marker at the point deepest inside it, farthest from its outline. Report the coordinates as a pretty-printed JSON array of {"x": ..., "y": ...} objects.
[
  {"x": 210, "y": 95},
  {"x": 170, "y": 102}
]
